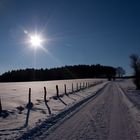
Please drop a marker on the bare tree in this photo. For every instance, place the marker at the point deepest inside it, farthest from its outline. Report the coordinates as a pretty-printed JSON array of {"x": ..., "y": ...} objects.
[
  {"x": 135, "y": 64},
  {"x": 120, "y": 71}
]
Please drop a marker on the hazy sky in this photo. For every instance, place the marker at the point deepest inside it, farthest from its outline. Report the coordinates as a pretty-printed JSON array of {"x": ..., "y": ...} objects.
[{"x": 77, "y": 32}]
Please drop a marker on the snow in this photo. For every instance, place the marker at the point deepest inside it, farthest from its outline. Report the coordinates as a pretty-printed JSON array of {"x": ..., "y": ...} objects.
[
  {"x": 104, "y": 116},
  {"x": 14, "y": 98},
  {"x": 129, "y": 89},
  {"x": 131, "y": 97},
  {"x": 119, "y": 101}
]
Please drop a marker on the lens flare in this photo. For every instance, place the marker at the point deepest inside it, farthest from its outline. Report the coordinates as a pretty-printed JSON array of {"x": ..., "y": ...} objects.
[{"x": 36, "y": 41}]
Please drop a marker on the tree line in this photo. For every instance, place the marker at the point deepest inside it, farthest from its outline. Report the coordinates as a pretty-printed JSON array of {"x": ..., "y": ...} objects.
[
  {"x": 59, "y": 73},
  {"x": 135, "y": 64}
]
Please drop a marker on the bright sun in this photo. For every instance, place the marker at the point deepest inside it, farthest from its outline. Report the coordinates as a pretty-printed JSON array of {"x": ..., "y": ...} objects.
[{"x": 36, "y": 41}]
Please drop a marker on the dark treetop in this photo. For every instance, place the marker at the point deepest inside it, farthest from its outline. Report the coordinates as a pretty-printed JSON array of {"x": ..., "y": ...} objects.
[{"x": 67, "y": 72}]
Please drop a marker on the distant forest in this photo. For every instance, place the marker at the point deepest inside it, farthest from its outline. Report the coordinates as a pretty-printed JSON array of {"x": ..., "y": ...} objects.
[{"x": 60, "y": 73}]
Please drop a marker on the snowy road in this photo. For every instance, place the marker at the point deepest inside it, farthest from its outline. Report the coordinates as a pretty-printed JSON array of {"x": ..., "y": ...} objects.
[{"x": 106, "y": 117}]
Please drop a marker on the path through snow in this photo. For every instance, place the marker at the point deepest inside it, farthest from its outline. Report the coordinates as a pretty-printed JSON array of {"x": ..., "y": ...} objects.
[{"x": 106, "y": 117}]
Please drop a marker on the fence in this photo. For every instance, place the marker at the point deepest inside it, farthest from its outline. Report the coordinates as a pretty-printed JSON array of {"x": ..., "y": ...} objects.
[{"x": 78, "y": 87}]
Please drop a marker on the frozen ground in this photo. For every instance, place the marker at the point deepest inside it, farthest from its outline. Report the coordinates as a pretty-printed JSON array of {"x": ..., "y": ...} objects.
[
  {"x": 107, "y": 111},
  {"x": 15, "y": 94},
  {"x": 107, "y": 115},
  {"x": 14, "y": 97},
  {"x": 131, "y": 93}
]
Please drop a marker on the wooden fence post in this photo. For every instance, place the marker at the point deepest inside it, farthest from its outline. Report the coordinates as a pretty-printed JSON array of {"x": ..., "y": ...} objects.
[
  {"x": 29, "y": 95},
  {"x": 45, "y": 100},
  {"x": 72, "y": 87},
  {"x": 65, "y": 89},
  {"x": 57, "y": 91},
  {"x": 45, "y": 94},
  {"x": 0, "y": 106},
  {"x": 30, "y": 104},
  {"x": 80, "y": 86},
  {"x": 77, "y": 86}
]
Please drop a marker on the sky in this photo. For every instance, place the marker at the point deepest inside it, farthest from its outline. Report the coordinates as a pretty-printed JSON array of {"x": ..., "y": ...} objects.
[{"x": 89, "y": 32}]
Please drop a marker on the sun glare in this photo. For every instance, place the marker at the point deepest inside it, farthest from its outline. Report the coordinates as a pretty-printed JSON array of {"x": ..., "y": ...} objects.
[{"x": 36, "y": 41}]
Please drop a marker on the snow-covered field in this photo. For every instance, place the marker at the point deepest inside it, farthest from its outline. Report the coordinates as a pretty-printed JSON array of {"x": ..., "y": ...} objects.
[
  {"x": 107, "y": 115},
  {"x": 129, "y": 89},
  {"x": 14, "y": 98},
  {"x": 17, "y": 120}
]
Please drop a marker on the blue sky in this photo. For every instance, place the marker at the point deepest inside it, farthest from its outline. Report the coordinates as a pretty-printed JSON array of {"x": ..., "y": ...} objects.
[{"x": 103, "y": 32}]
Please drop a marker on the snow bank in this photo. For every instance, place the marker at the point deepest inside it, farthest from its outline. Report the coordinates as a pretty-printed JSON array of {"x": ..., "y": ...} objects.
[{"x": 132, "y": 94}]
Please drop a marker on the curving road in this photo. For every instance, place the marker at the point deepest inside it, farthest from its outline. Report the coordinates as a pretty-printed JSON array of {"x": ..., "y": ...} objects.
[{"x": 106, "y": 117}]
